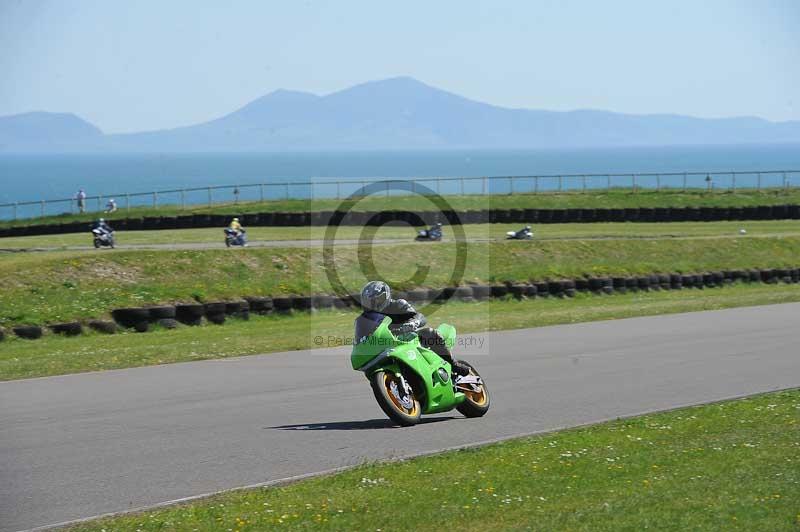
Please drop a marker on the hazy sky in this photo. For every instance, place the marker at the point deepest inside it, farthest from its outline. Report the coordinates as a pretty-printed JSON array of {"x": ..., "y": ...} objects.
[{"x": 136, "y": 65}]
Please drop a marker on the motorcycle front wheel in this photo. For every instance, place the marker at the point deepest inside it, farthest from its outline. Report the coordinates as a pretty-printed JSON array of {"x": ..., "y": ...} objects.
[
  {"x": 401, "y": 406},
  {"x": 476, "y": 402},
  {"x": 96, "y": 243}
]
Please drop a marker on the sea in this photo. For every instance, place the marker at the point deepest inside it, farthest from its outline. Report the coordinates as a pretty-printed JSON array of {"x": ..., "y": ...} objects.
[{"x": 36, "y": 178}]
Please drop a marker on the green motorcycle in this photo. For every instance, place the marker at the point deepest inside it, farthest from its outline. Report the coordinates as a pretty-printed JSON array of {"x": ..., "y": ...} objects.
[{"x": 409, "y": 380}]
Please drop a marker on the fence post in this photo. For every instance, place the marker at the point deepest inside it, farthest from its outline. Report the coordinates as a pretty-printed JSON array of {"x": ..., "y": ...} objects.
[
  {"x": 286, "y": 185},
  {"x": 338, "y": 195},
  {"x": 462, "y": 184},
  {"x": 209, "y": 196},
  {"x": 261, "y": 191},
  {"x": 15, "y": 210},
  {"x": 658, "y": 182},
  {"x": 560, "y": 183},
  {"x": 42, "y": 208},
  {"x": 99, "y": 201},
  {"x": 155, "y": 200},
  {"x": 536, "y": 184},
  {"x": 583, "y": 180},
  {"x": 511, "y": 185},
  {"x": 758, "y": 183},
  {"x": 183, "y": 199},
  {"x": 633, "y": 182},
  {"x": 608, "y": 183},
  {"x": 785, "y": 187},
  {"x": 127, "y": 202},
  {"x": 312, "y": 190},
  {"x": 733, "y": 181},
  {"x": 438, "y": 185},
  {"x": 685, "y": 174},
  {"x": 483, "y": 185}
]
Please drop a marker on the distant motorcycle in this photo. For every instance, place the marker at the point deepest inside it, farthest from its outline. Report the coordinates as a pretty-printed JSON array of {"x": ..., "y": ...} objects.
[
  {"x": 523, "y": 234},
  {"x": 235, "y": 238},
  {"x": 434, "y": 234},
  {"x": 103, "y": 238}
]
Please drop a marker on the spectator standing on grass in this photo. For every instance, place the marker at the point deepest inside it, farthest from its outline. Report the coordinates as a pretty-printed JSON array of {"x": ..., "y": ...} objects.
[{"x": 81, "y": 197}]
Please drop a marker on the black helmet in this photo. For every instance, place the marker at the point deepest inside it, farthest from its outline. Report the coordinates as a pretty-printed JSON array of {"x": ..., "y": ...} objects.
[{"x": 375, "y": 295}]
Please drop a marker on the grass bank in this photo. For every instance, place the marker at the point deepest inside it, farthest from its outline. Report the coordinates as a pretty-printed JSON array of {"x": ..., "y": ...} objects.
[
  {"x": 548, "y": 200},
  {"x": 472, "y": 231},
  {"x": 723, "y": 466},
  {"x": 50, "y": 287},
  {"x": 54, "y": 355}
]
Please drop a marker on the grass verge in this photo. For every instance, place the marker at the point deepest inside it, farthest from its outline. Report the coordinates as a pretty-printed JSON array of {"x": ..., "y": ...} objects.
[
  {"x": 725, "y": 466},
  {"x": 58, "y": 286},
  {"x": 547, "y": 200},
  {"x": 55, "y": 355}
]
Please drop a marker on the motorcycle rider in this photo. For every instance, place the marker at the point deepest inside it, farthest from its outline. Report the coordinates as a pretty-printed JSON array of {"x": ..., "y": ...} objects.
[
  {"x": 377, "y": 302},
  {"x": 524, "y": 231},
  {"x": 235, "y": 226},
  {"x": 102, "y": 225}
]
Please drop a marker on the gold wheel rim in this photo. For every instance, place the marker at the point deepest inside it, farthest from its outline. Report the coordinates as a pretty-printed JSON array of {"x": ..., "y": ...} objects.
[
  {"x": 387, "y": 384},
  {"x": 479, "y": 398}
]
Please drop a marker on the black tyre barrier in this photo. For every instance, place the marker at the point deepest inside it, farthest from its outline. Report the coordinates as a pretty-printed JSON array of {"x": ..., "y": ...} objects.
[
  {"x": 542, "y": 289},
  {"x": 140, "y": 318},
  {"x": 131, "y": 317},
  {"x": 190, "y": 313},
  {"x": 233, "y": 308},
  {"x": 162, "y": 312},
  {"x": 323, "y": 302},
  {"x": 464, "y": 293},
  {"x": 216, "y": 318},
  {"x": 481, "y": 292},
  {"x": 72, "y": 328},
  {"x": 282, "y": 304},
  {"x": 28, "y": 332},
  {"x": 417, "y": 296},
  {"x": 619, "y": 284},
  {"x": 341, "y": 303},
  {"x": 519, "y": 291},
  {"x": 499, "y": 290},
  {"x": 102, "y": 326},
  {"x": 301, "y": 302},
  {"x": 555, "y": 288},
  {"x": 540, "y": 216},
  {"x": 631, "y": 284},
  {"x": 260, "y": 305},
  {"x": 216, "y": 307}
]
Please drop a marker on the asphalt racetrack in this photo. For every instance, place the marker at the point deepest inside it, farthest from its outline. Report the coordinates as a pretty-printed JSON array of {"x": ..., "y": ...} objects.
[{"x": 81, "y": 445}]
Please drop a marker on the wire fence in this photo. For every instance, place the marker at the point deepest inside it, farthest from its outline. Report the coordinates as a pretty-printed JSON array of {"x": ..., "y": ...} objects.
[{"x": 184, "y": 198}]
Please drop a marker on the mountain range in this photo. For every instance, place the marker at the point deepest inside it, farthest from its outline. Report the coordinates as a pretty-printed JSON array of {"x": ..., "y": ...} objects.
[{"x": 396, "y": 113}]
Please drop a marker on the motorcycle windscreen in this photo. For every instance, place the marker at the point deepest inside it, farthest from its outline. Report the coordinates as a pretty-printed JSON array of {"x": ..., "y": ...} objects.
[{"x": 372, "y": 337}]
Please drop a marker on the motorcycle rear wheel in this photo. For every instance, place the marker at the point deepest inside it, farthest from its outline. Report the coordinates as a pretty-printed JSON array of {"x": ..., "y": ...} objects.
[
  {"x": 403, "y": 409},
  {"x": 96, "y": 243},
  {"x": 475, "y": 404}
]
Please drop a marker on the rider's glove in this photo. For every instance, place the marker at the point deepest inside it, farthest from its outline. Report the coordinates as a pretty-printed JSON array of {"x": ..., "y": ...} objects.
[{"x": 409, "y": 326}]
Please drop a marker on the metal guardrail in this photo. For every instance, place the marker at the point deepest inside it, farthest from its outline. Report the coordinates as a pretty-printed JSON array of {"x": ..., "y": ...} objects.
[{"x": 722, "y": 181}]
